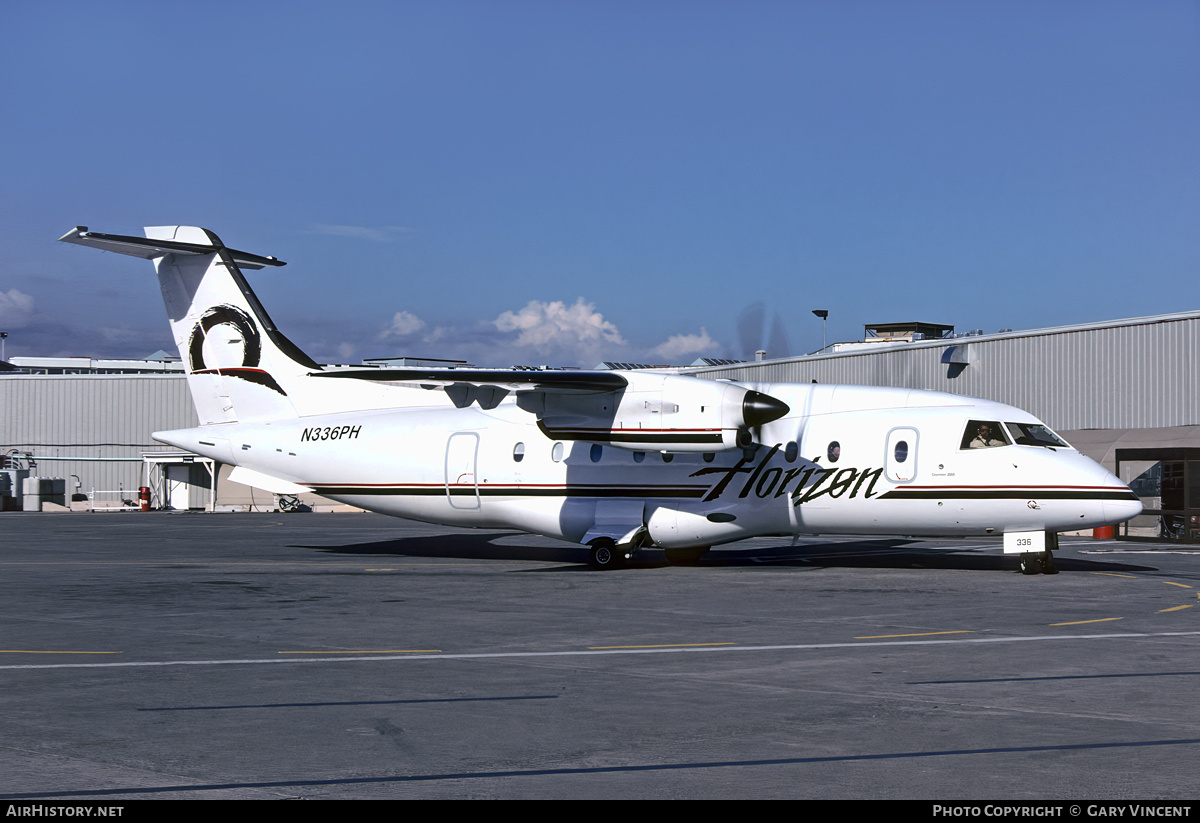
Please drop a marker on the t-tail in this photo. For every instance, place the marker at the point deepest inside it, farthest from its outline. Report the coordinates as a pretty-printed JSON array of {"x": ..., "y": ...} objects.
[{"x": 239, "y": 366}]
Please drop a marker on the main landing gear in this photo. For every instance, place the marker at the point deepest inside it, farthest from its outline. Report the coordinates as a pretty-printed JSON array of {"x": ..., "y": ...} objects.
[{"x": 605, "y": 554}]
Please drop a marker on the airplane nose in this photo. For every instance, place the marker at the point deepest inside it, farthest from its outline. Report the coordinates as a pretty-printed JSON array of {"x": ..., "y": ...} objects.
[
  {"x": 1118, "y": 511},
  {"x": 1122, "y": 503}
]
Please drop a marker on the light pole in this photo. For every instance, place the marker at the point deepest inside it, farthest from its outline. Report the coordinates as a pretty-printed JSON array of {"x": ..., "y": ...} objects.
[{"x": 824, "y": 315}]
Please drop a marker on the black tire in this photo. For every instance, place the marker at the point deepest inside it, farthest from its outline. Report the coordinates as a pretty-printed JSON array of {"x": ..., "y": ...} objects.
[
  {"x": 1031, "y": 563},
  {"x": 1048, "y": 566},
  {"x": 604, "y": 555}
]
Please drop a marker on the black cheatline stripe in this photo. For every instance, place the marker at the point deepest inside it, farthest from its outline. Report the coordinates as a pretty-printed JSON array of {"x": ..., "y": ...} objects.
[
  {"x": 1004, "y": 494},
  {"x": 517, "y": 491}
]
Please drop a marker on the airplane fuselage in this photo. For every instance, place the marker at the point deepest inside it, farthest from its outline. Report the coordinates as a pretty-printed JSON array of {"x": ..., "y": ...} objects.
[{"x": 847, "y": 459}]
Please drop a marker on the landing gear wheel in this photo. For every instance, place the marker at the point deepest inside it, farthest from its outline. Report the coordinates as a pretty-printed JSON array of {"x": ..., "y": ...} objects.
[
  {"x": 604, "y": 555},
  {"x": 1048, "y": 566},
  {"x": 1031, "y": 563}
]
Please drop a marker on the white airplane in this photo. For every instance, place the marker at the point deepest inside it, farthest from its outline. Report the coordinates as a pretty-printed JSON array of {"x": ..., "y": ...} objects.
[{"x": 616, "y": 460}]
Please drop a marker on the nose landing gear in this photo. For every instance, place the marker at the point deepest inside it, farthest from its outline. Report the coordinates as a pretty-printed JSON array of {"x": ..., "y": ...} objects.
[
  {"x": 1041, "y": 562},
  {"x": 1038, "y": 563}
]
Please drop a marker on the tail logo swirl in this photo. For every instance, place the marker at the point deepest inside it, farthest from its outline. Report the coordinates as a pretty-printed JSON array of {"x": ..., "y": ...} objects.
[{"x": 251, "y": 347}]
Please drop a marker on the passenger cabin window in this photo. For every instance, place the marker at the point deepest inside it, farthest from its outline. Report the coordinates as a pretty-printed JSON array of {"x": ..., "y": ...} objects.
[
  {"x": 1035, "y": 434},
  {"x": 983, "y": 434},
  {"x": 519, "y": 452}
]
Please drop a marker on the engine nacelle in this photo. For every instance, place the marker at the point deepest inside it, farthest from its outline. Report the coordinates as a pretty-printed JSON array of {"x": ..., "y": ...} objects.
[{"x": 658, "y": 412}]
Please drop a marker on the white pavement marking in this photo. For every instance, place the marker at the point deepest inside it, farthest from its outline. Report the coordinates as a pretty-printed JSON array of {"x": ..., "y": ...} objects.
[{"x": 595, "y": 653}]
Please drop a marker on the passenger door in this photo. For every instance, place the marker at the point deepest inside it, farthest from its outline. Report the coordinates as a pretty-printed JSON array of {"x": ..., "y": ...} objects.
[
  {"x": 462, "y": 489},
  {"x": 900, "y": 462}
]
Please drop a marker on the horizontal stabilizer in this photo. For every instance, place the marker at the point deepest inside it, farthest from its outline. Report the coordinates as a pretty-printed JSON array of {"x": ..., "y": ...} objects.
[{"x": 149, "y": 248}]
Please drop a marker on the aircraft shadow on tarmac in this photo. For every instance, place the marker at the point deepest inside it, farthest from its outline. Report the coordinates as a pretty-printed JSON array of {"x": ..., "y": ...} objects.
[{"x": 873, "y": 553}]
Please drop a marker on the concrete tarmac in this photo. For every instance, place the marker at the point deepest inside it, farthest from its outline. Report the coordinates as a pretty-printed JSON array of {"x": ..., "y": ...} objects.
[{"x": 190, "y": 655}]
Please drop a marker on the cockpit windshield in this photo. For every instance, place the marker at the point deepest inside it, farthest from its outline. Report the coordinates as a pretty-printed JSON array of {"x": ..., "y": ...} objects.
[
  {"x": 1035, "y": 434},
  {"x": 984, "y": 434}
]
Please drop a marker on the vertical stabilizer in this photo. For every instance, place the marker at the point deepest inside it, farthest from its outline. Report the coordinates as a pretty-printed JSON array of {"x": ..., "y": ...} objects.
[{"x": 239, "y": 366}]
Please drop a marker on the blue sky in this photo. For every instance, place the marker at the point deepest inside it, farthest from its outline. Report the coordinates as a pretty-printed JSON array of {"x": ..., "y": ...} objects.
[{"x": 560, "y": 182}]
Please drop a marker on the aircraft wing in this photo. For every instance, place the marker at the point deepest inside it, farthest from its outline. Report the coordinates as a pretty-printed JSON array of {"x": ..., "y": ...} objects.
[
  {"x": 508, "y": 379},
  {"x": 632, "y": 410}
]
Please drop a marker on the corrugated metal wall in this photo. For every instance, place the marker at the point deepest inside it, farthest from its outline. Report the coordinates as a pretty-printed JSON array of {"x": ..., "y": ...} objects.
[
  {"x": 102, "y": 421},
  {"x": 1129, "y": 374}
]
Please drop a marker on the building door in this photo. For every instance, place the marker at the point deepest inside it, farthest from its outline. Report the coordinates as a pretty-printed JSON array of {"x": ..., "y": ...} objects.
[{"x": 178, "y": 486}]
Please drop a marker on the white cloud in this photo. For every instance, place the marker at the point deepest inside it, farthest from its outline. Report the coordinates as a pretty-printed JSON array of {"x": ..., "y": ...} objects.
[
  {"x": 403, "y": 324},
  {"x": 681, "y": 345},
  {"x": 15, "y": 309},
  {"x": 554, "y": 326}
]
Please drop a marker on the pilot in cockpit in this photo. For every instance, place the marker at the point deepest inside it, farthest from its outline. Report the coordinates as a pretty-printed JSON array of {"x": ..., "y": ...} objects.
[{"x": 985, "y": 438}]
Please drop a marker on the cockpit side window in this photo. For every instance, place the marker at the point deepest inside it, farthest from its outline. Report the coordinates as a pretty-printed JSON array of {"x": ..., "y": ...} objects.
[
  {"x": 1035, "y": 434},
  {"x": 983, "y": 434}
]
